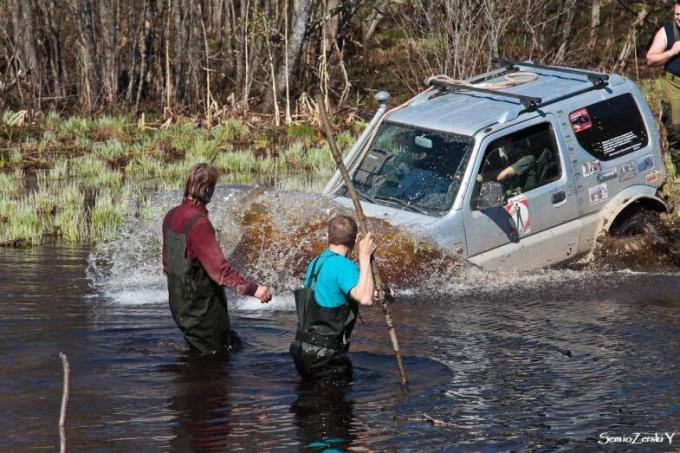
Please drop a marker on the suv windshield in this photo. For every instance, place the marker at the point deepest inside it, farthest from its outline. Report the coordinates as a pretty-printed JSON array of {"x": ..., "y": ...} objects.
[{"x": 413, "y": 168}]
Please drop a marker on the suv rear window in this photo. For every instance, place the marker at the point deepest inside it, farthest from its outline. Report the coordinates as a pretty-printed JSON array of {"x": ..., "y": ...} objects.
[{"x": 611, "y": 128}]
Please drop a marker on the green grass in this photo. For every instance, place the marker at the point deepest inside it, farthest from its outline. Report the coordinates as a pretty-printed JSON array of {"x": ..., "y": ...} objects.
[
  {"x": 144, "y": 166},
  {"x": 112, "y": 158},
  {"x": 230, "y": 131},
  {"x": 23, "y": 222},
  {"x": 10, "y": 184},
  {"x": 113, "y": 123},
  {"x": 15, "y": 157},
  {"x": 75, "y": 126},
  {"x": 671, "y": 171},
  {"x": 105, "y": 217},
  {"x": 108, "y": 150}
]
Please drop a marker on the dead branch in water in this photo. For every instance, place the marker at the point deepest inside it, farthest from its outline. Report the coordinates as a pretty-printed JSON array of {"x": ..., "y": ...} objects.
[
  {"x": 363, "y": 229},
  {"x": 64, "y": 402}
]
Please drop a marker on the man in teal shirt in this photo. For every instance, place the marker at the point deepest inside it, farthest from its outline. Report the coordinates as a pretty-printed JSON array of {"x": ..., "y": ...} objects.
[{"x": 328, "y": 305}]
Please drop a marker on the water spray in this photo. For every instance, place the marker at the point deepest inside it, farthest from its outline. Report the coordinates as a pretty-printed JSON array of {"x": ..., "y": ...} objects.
[{"x": 383, "y": 298}]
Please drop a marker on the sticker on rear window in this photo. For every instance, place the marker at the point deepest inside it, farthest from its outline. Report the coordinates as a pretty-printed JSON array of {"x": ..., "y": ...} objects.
[{"x": 580, "y": 120}]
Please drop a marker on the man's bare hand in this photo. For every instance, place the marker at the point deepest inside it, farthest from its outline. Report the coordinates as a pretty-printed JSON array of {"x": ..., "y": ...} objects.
[
  {"x": 264, "y": 294},
  {"x": 675, "y": 50},
  {"x": 366, "y": 247},
  {"x": 386, "y": 293}
]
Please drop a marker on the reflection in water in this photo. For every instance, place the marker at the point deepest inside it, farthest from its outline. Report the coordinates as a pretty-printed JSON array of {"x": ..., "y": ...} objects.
[
  {"x": 323, "y": 416},
  {"x": 535, "y": 362},
  {"x": 199, "y": 398}
]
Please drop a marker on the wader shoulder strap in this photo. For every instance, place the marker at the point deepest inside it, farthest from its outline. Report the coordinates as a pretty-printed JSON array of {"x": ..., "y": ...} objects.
[
  {"x": 191, "y": 223},
  {"x": 314, "y": 274},
  {"x": 168, "y": 220},
  {"x": 311, "y": 283}
]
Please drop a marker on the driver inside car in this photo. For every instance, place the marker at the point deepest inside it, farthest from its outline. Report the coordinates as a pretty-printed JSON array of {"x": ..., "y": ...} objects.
[{"x": 517, "y": 177}]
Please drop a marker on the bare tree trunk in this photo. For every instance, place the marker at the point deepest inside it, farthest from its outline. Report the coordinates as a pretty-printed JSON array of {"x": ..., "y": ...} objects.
[
  {"x": 302, "y": 10},
  {"x": 54, "y": 53},
  {"x": 629, "y": 44},
  {"x": 109, "y": 11},
  {"x": 27, "y": 42},
  {"x": 376, "y": 16},
  {"x": 83, "y": 12},
  {"x": 168, "y": 78},
  {"x": 594, "y": 23},
  {"x": 144, "y": 48},
  {"x": 567, "y": 16},
  {"x": 179, "y": 13}
]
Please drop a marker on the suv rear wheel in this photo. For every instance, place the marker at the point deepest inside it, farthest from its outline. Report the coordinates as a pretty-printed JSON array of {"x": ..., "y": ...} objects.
[{"x": 642, "y": 222}]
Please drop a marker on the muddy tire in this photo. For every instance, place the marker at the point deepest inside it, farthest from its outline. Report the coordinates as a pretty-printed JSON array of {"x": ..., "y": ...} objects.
[{"x": 642, "y": 223}]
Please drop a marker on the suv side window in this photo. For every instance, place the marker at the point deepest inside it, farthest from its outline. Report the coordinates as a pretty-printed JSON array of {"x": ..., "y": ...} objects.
[
  {"x": 611, "y": 128},
  {"x": 522, "y": 161}
]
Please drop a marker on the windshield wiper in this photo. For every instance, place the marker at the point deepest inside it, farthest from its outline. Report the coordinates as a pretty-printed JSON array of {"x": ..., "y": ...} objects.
[
  {"x": 361, "y": 194},
  {"x": 404, "y": 204}
]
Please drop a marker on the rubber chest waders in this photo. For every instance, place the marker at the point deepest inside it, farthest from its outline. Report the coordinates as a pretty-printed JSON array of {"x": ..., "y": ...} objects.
[
  {"x": 323, "y": 333},
  {"x": 197, "y": 303}
]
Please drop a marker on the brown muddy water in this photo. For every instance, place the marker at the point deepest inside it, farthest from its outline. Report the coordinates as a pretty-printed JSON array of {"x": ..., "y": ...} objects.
[{"x": 552, "y": 360}]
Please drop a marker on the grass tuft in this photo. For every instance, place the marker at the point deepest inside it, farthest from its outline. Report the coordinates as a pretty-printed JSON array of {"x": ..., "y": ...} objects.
[{"x": 105, "y": 218}]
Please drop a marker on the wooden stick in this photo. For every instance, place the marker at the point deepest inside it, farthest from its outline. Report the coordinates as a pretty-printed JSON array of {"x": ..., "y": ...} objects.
[
  {"x": 64, "y": 402},
  {"x": 328, "y": 131}
]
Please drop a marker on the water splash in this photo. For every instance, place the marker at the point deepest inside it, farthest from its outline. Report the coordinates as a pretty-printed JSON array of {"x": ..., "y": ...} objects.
[{"x": 271, "y": 236}]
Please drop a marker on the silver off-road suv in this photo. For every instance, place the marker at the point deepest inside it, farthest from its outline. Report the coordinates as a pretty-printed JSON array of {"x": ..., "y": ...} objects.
[{"x": 516, "y": 178}]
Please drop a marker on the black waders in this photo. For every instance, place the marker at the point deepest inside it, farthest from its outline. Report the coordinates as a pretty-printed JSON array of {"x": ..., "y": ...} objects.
[
  {"x": 322, "y": 338},
  {"x": 197, "y": 303}
]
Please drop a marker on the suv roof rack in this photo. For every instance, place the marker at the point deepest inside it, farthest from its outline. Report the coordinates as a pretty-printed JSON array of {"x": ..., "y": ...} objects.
[
  {"x": 598, "y": 79},
  {"x": 529, "y": 102}
]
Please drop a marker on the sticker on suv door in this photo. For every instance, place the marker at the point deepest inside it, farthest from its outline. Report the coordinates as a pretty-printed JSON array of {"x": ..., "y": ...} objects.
[
  {"x": 591, "y": 167},
  {"x": 518, "y": 212},
  {"x": 580, "y": 120},
  {"x": 598, "y": 193}
]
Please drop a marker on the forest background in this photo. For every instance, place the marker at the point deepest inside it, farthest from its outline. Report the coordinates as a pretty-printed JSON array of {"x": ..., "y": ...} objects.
[{"x": 228, "y": 57}]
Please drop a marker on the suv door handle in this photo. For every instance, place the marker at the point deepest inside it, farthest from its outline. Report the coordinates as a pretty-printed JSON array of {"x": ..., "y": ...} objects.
[{"x": 559, "y": 197}]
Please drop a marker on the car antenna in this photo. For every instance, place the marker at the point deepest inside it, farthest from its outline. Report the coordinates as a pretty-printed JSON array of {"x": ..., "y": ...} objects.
[{"x": 384, "y": 303}]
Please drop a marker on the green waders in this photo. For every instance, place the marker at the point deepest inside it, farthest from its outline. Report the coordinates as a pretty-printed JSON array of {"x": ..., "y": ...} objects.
[
  {"x": 197, "y": 303},
  {"x": 322, "y": 338}
]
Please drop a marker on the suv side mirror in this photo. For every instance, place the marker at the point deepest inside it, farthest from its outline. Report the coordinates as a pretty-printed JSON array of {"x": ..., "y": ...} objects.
[{"x": 491, "y": 195}]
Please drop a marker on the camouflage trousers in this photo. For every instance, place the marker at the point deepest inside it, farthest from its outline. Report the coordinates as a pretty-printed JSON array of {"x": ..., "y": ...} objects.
[
  {"x": 670, "y": 115},
  {"x": 672, "y": 134}
]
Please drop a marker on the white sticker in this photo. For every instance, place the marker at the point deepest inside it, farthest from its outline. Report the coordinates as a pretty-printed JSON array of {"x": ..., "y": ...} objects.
[
  {"x": 653, "y": 176},
  {"x": 591, "y": 168},
  {"x": 519, "y": 214},
  {"x": 645, "y": 163},
  {"x": 626, "y": 171},
  {"x": 598, "y": 193}
]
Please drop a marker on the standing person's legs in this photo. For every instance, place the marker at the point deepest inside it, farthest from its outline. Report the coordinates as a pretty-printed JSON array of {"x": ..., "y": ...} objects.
[
  {"x": 319, "y": 364},
  {"x": 671, "y": 115}
]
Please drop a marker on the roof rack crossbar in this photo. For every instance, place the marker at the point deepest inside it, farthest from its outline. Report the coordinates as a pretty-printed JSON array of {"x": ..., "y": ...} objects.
[
  {"x": 529, "y": 102},
  {"x": 598, "y": 79}
]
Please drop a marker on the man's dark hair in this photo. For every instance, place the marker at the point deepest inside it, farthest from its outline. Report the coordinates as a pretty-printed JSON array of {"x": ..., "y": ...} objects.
[
  {"x": 200, "y": 183},
  {"x": 342, "y": 230}
]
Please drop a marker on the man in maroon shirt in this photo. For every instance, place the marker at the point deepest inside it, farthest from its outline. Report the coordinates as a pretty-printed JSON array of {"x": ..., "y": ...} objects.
[{"x": 197, "y": 269}]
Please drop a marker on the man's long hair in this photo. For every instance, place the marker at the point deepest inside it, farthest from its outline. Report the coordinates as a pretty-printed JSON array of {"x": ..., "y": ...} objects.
[
  {"x": 342, "y": 230},
  {"x": 200, "y": 183}
]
